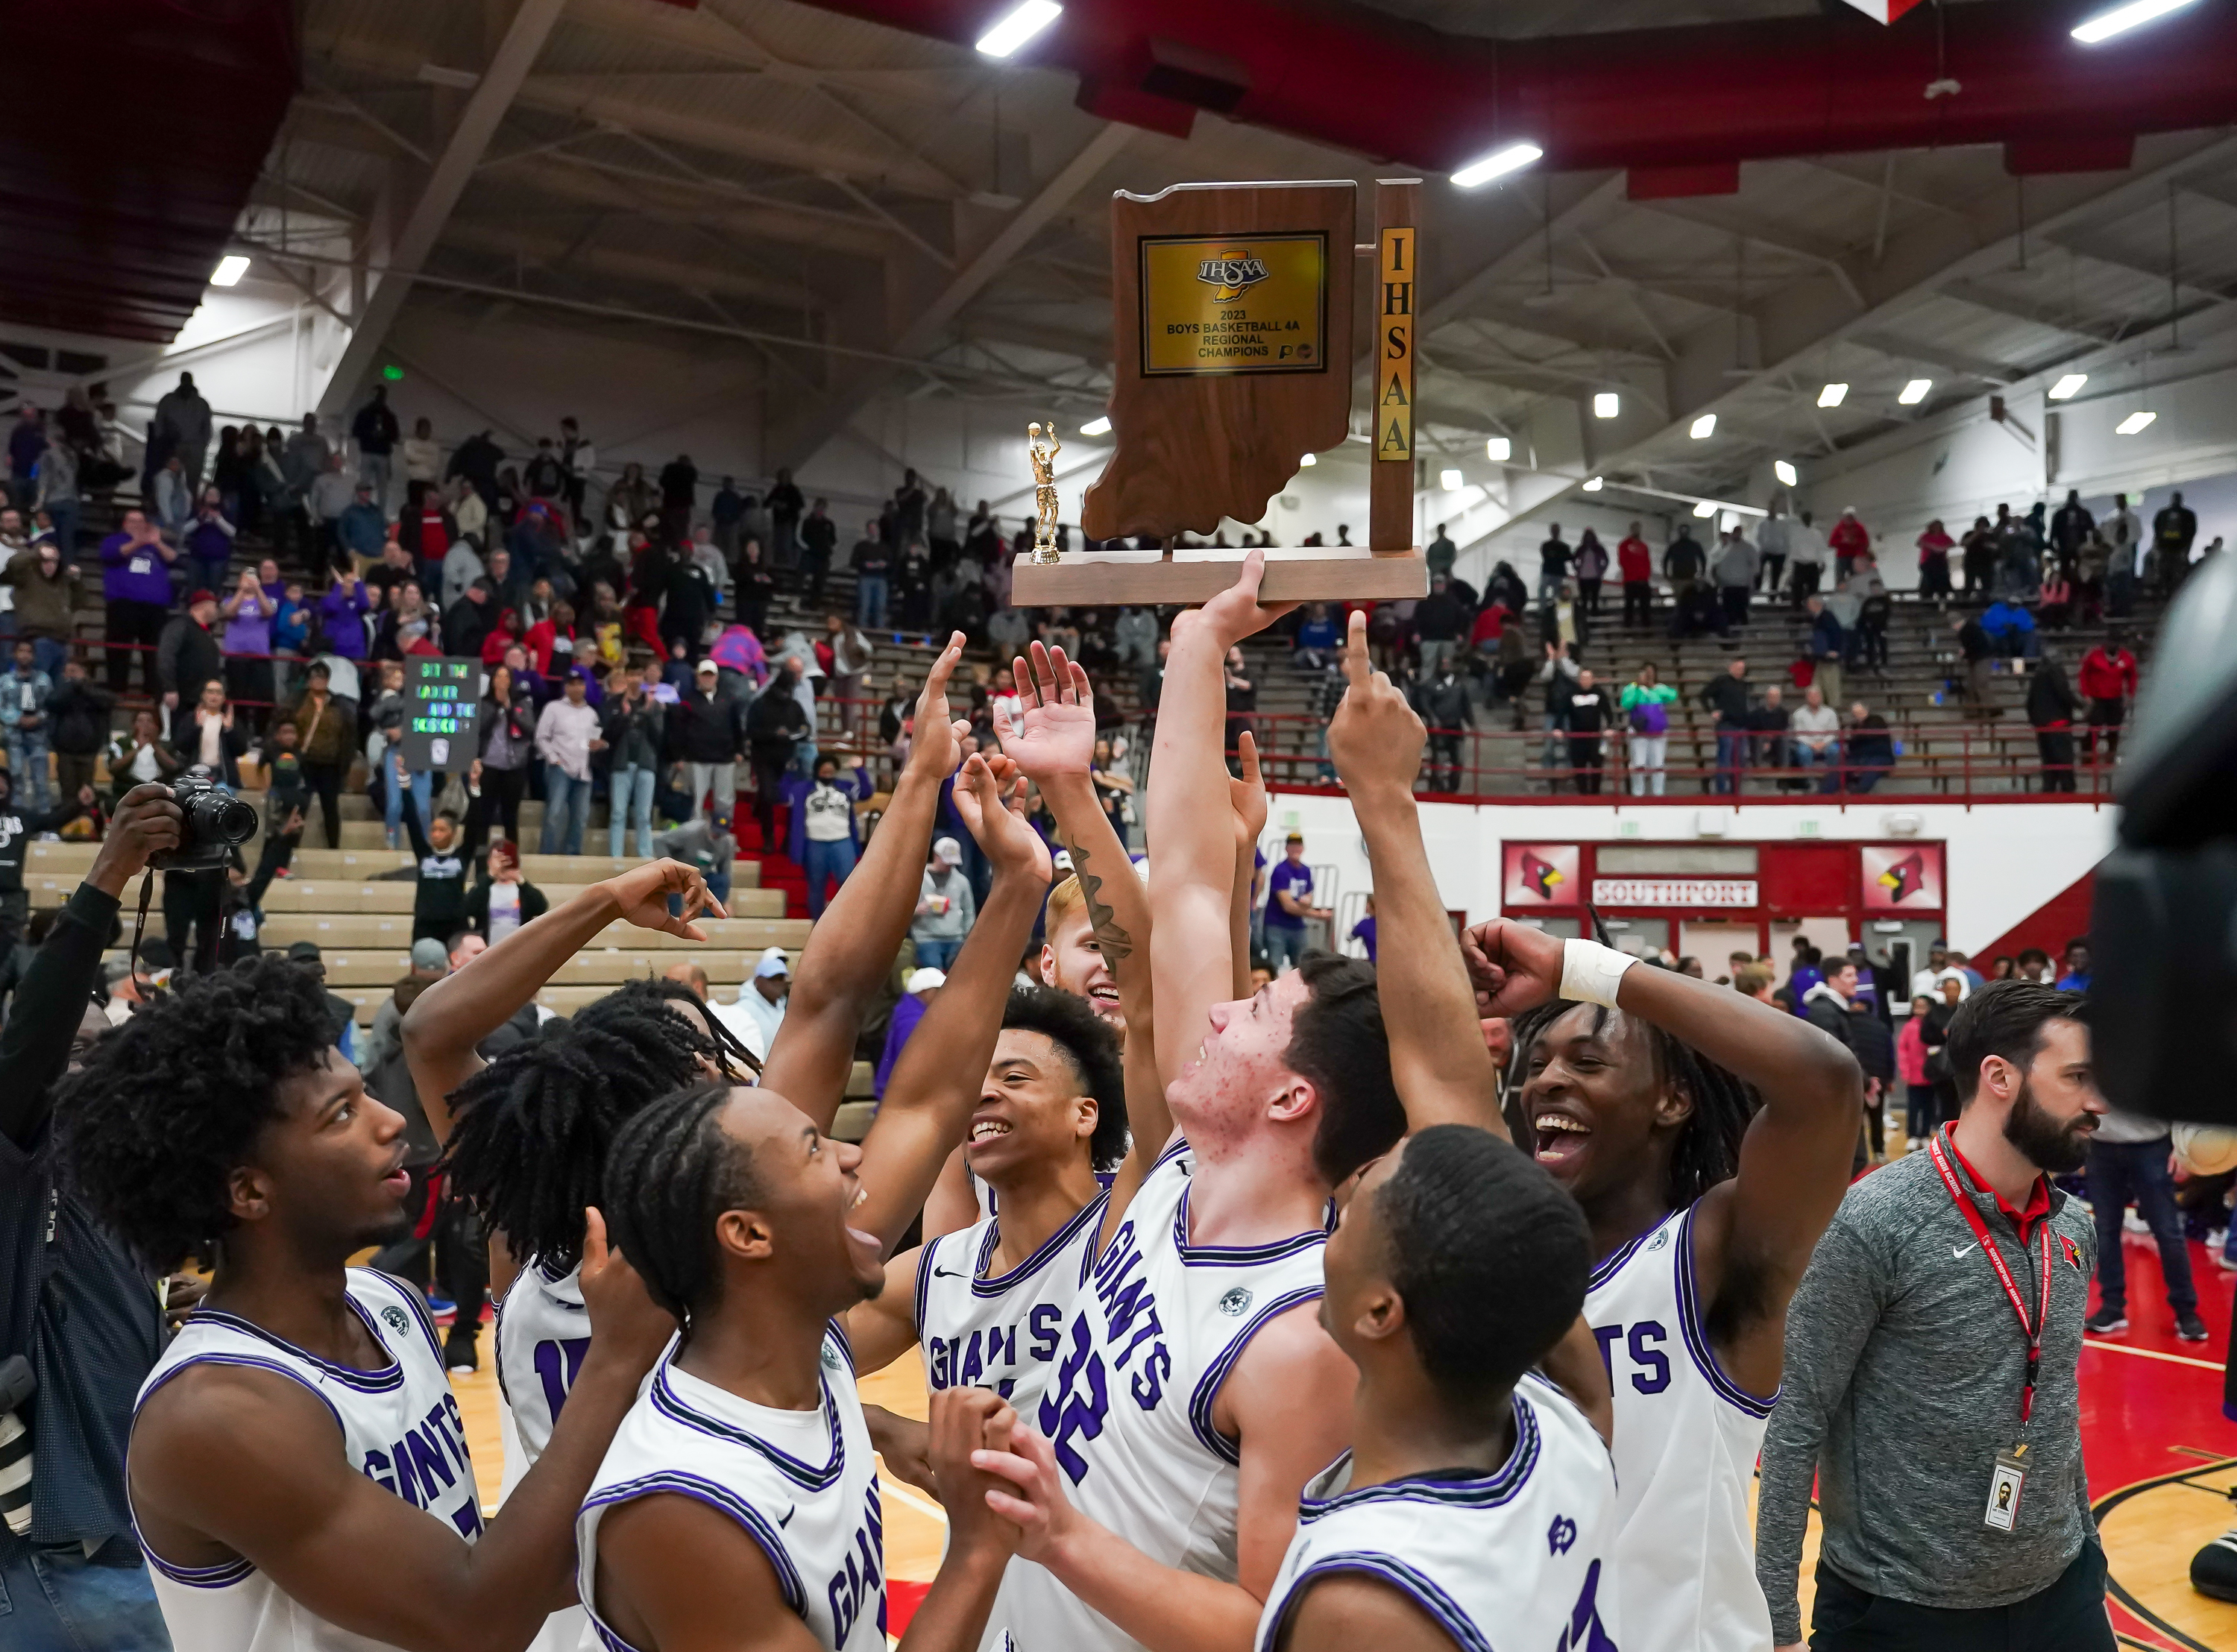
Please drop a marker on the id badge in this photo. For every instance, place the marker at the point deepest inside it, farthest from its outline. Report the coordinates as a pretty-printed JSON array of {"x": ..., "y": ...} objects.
[{"x": 2005, "y": 1483}]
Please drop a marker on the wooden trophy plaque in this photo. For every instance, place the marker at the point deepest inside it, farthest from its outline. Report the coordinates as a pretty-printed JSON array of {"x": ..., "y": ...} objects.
[{"x": 1232, "y": 319}]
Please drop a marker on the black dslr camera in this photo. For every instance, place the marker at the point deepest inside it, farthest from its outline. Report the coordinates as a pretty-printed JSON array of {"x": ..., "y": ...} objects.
[{"x": 215, "y": 822}]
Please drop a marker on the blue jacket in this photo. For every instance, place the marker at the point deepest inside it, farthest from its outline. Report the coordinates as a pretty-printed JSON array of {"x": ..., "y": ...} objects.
[{"x": 12, "y": 696}]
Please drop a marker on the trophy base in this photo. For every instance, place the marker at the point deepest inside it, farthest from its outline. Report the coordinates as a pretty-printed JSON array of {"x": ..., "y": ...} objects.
[{"x": 1294, "y": 573}]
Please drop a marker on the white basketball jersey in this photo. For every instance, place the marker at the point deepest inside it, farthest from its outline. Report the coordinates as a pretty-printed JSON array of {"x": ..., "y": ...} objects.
[
  {"x": 1518, "y": 1557},
  {"x": 543, "y": 1332},
  {"x": 1000, "y": 1331},
  {"x": 1158, "y": 1325},
  {"x": 802, "y": 1483},
  {"x": 398, "y": 1424},
  {"x": 1686, "y": 1437}
]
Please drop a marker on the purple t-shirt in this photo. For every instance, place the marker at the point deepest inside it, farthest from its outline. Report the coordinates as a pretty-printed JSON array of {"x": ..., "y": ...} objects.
[
  {"x": 1297, "y": 879},
  {"x": 142, "y": 576},
  {"x": 250, "y": 630},
  {"x": 1363, "y": 932}
]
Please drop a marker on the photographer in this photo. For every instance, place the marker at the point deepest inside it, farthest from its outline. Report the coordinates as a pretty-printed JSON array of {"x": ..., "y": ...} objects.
[{"x": 72, "y": 1300}]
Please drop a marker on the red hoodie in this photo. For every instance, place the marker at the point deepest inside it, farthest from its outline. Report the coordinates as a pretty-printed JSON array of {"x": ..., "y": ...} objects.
[
  {"x": 2107, "y": 676},
  {"x": 1635, "y": 559}
]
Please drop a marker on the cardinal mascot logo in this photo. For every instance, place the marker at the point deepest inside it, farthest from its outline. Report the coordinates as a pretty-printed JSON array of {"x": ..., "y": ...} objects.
[
  {"x": 1540, "y": 874},
  {"x": 1905, "y": 879}
]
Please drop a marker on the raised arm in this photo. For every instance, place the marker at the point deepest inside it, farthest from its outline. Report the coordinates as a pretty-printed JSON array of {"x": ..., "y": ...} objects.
[
  {"x": 1755, "y": 1231},
  {"x": 1438, "y": 1062},
  {"x": 1192, "y": 859},
  {"x": 942, "y": 1072},
  {"x": 1246, "y": 802},
  {"x": 459, "y": 1012},
  {"x": 234, "y": 1461},
  {"x": 852, "y": 948},
  {"x": 1054, "y": 744}
]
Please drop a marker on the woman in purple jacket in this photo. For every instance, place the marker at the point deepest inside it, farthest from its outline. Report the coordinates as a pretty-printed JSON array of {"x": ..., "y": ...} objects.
[{"x": 342, "y": 615}]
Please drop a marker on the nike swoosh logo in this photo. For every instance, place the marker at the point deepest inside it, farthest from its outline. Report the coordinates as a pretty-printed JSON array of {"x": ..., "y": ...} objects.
[
  {"x": 946, "y": 1274},
  {"x": 787, "y": 1518},
  {"x": 1960, "y": 1250}
]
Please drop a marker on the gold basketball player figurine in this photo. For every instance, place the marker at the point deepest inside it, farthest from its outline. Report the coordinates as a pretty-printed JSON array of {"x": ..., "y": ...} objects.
[{"x": 1043, "y": 449}]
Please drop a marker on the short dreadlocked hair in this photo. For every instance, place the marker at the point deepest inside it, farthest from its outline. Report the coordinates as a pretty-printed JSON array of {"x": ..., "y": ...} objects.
[
  {"x": 1708, "y": 1149},
  {"x": 1092, "y": 1048},
  {"x": 671, "y": 1171},
  {"x": 535, "y": 1126},
  {"x": 169, "y": 1105}
]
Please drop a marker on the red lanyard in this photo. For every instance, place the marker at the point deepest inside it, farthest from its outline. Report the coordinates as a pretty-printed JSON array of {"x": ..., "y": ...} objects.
[{"x": 1972, "y": 1215}]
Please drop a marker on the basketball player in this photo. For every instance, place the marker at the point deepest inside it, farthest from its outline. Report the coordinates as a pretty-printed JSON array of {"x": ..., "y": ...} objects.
[
  {"x": 987, "y": 1303},
  {"x": 1476, "y": 1505},
  {"x": 298, "y": 1470},
  {"x": 1094, "y": 917},
  {"x": 739, "y": 1505},
  {"x": 1195, "y": 1391},
  {"x": 1639, "y": 1094}
]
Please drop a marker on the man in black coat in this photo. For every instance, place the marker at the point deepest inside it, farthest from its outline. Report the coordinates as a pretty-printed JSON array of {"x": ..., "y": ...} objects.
[{"x": 775, "y": 723}]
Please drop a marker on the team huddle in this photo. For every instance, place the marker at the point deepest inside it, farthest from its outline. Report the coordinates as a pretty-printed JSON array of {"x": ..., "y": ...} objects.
[{"x": 1254, "y": 1320}]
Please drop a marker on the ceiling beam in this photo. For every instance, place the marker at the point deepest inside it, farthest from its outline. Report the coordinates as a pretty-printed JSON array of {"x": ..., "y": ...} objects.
[
  {"x": 820, "y": 423},
  {"x": 1950, "y": 361},
  {"x": 1996, "y": 302},
  {"x": 469, "y": 140}
]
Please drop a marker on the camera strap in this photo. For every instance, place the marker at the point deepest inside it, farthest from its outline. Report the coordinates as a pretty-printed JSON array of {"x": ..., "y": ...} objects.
[{"x": 139, "y": 926}]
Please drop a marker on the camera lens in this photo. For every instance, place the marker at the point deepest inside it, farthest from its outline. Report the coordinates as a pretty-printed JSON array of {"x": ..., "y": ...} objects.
[{"x": 224, "y": 817}]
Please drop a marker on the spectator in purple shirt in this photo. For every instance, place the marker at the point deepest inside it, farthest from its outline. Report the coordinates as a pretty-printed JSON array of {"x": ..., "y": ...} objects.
[
  {"x": 135, "y": 583},
  {"x": 342, "y": 615},
  {"x": 208, "y": 540},
  {"x": 917, "y": 994},
  {"x": 248, "y": 645}
]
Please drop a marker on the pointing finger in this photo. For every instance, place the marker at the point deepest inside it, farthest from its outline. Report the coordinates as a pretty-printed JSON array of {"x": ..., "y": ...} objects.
[{"x": 1354, "y": 651}]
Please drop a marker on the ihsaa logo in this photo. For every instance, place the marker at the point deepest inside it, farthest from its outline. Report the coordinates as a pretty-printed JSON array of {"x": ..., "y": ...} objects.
[{"x": 1233, "y": 273}]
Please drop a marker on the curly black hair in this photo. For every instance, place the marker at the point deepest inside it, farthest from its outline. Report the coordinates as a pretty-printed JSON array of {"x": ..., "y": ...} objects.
[
  {"x": 1092, "y": 1048},
  {"x": 1708, "y": 1149},
  {"x": 151, "y": 1129},
  {"x": 535, "y": 1126}
]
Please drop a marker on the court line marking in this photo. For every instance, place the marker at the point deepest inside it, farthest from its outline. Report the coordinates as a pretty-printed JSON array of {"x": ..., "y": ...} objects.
[
  {"x": 913, "y": 1497},
  {"x": 2154, "y": 1353}
]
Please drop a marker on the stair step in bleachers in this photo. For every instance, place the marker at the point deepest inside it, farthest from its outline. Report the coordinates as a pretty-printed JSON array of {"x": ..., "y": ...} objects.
[{"x": 748, "y": 936}]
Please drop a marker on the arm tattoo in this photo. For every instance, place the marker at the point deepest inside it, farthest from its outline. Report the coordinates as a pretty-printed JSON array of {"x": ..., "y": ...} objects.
[{"x": 1115, "y": 942}]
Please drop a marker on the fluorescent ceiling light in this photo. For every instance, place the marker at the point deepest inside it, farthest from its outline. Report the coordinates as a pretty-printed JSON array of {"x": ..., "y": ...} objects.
[
  {"x": 2065, "y": 387},
  {"x": 1593, "y": 484},
  {"x": 229, "y": 270},
  {"x": 1497, "y": 164},
  {"x": 1915, "y": 391},
  {"x": 1787, "y": 475},
  {"x": 1705, "y": 427},
  {"x": 1017, "y": 27},
  {"x": 1498, "y": 450},
  {"x": 2133, "y": 423},
  {"x": 1832, "y": 395},
  {"x": 1452, "y": 480},
  {"x": 1308, "y": 462},
  {"x": 1100, "y": 425},
  {"x": 1706, "y": 507},
  {"x": 2120, "y": 19},
  {"x": 1607, "y": 404}
]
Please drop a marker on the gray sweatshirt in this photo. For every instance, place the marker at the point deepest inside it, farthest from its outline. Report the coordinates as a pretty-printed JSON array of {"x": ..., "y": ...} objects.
[
  {"x": 962, "y": 908},
  {"x": 1901, "y": 1335}
]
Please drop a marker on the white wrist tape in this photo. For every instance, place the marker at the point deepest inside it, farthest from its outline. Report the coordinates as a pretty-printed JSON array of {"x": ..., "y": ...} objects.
[{"x": 1590, "y": 971}]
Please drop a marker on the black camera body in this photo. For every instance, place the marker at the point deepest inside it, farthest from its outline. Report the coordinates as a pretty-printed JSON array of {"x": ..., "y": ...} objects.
[{"x": 215, "y": 822}]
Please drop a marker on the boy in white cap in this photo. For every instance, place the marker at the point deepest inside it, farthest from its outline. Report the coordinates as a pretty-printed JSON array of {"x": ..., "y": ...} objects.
[{"x": 945, "y": 907}]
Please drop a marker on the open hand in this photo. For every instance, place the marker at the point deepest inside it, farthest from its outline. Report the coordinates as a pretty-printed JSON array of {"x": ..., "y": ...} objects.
[
  {"x": 642, "y": 892},
  {"x": 1374, "y": 739},
  {"x": 990, "y": 795},
  {"x": 1512, "y": 967},
  {"x": 626, "y": 1325},
  {"x": 938, "y": 746},
  {"x": 1055, "y": 737}
]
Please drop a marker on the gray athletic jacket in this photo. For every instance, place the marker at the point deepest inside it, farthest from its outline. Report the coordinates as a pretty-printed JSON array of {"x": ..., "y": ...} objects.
[{"x": 1905, "y": 1363}]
